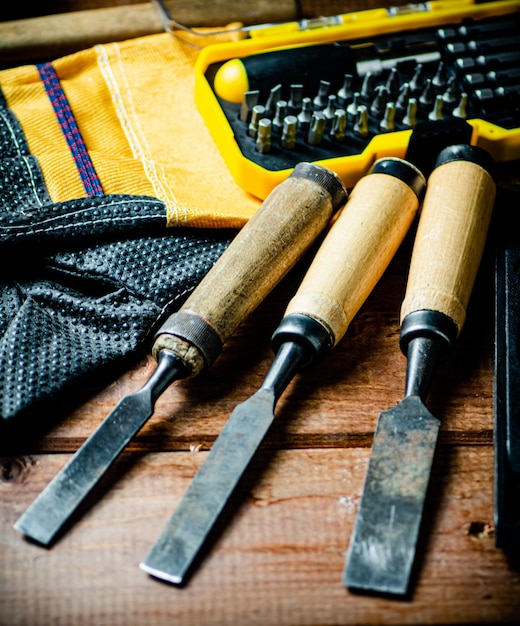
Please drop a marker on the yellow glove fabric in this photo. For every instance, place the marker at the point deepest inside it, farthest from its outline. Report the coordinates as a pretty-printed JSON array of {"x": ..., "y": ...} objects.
[{"x": 133, "y": 103}]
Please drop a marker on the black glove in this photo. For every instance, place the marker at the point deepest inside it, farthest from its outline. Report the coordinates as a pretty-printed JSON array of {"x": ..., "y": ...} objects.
[
  {"x": 68, "y": 313},
  {"x": 83, "y": 281}
]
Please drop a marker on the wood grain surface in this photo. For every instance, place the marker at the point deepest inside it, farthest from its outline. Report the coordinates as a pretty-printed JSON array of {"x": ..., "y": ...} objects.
[
  {"x": 450, "y": 239},
  {"x": 277, "y": 557}
]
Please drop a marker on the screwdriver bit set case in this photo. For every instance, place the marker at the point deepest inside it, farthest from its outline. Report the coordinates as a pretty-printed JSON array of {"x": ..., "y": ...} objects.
[{"x": 345, "y": 95}]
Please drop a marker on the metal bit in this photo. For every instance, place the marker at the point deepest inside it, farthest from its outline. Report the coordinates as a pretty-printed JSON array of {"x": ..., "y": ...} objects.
[
  {"x": 427, "y": 96},
  {"x": 476, "y": 79},
  {"x": 257, "y": 114},
  {"x": 447, "y": 34},
  {"x": 404, "y": 95},
  {"x": 392, "y": 82},
  {"x": 492, "y": 97},
  {"x": 491, "y": 29},
  {"x": 410, "y": 118},
  {"x": 328, "y": 111},
  {"x": 250, "y": 99},
  {"x": 461, "y": 109},
  {"x": 388, "y": 122},
  {"x": 361, "y": 125},
  {"x": 274, "y": 95},
  {"x": 456, "y": 47},
  {"x": 509, "y": 91},
  {"x": 509, "y": 75},
  {"x": 339, "y": 125},
  {"x": 290, "y": 126},
  {"x": 485, "y": 96},
  {"x": 495, "y": 44},
  {"x": 439, "y": 79},
  {"x": 295, "y": 99},
  {"x": 317, "y": 129},
  {"x": 320, "y": 101},
  {"x": 353, "y": 106},
  {"x": 466, "y": 63},
  {"x": 281, "y": 107},
  {"x": 378, "y": 106},
  {"x": 263, "y": 139},
  {"x": 345, "y": 93},
  {"x": 305, "y": 115},
  {"x": 415, "y": 83},
  {"x": 436, "y": 112},
  {"x": 499, "y": 59},
  {"x": 450, "y": 95},
  {"x": 369, "y": 83}
]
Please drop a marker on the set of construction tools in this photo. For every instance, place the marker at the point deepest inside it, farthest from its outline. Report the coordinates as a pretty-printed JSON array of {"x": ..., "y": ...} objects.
[{"x": 340, "y": 97}]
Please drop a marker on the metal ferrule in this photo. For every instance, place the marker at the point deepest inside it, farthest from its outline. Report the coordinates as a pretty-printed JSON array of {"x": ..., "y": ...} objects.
[
  {"x": 324, "y": 177},
  {"x": 466, "y": 152},
  {"x": 426, "y": 337},
  {"x": 403, "y": 170},
  {"x": 305, "y": 331},
  {"x": 196, "y": 331},
  {"x": 427, "y": 323}
]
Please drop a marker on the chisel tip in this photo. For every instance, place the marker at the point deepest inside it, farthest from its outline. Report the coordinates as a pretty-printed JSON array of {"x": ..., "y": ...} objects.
[
  {"x": 34, "y": 534},
  {"x": 382, "y": 549},
  {"x": 161, "y": 574},
  {"x": 373, "y": 567}
]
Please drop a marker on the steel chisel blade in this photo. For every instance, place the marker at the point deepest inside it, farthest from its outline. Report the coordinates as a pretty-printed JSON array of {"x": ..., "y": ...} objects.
[
  {"x": 382, "y": 547},
  {"x": 57, "y": 502},
  {"x": 49, "y": 513},
  {"x": 210, "y": 489}
]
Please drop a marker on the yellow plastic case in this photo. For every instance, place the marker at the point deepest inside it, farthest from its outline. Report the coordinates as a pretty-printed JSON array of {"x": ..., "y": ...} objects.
[{"x": 493, "y": 55}]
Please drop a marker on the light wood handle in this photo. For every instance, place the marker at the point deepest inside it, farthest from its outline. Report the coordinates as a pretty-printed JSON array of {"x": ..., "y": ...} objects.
[
  {"x": 357, "y": 249},
  {"x": 279, "y": 233},
  {"x": 450, "y": 240}
]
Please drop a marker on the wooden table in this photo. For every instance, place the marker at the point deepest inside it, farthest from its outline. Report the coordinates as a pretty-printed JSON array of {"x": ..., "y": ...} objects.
[{"x": 277, "y": 558}]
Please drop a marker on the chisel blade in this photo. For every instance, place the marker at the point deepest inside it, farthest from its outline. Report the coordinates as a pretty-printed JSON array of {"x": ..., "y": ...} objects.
[
  {"x": 383, "y": 543},
  {"x": 211, "y": 488},
  {"x": 55, "y": 505}
]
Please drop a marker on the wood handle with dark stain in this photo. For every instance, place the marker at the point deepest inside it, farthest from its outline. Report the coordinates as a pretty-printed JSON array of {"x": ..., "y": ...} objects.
[{"x": 269, "y": 245}]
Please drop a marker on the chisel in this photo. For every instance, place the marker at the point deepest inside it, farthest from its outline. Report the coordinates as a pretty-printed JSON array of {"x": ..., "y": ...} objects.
[
  {"x": 274, "y": 239},
  {"x": 446, "y": 255},
  {"x": 348, "y": 264}
]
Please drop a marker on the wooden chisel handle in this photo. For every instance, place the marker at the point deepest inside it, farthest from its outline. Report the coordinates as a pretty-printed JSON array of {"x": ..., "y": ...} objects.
[
  {"x": 273, "y": 240},
  {"x": 359, "y": 246},
  {"x": 451, "y": 234}
]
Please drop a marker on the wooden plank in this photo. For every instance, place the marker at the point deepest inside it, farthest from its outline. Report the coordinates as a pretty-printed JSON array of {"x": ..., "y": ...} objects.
[
  {"x": 278, "y": 559},
  {"x": 50, "y": 36}
]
